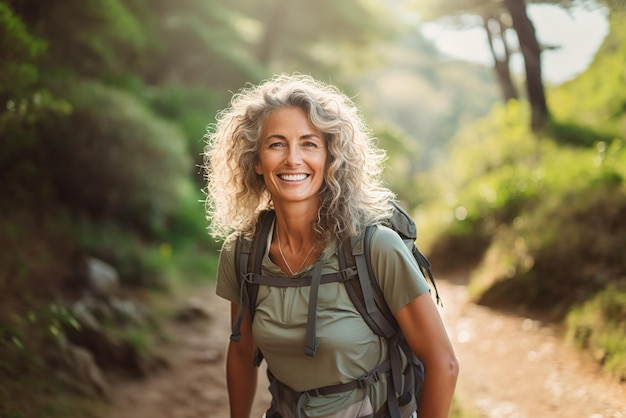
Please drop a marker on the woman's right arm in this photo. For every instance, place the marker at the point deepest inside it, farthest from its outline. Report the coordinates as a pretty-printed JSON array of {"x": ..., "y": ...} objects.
[{"x": 241, "y": 373}]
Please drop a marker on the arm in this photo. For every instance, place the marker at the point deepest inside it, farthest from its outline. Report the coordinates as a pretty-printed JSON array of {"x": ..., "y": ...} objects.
[
  {"x": 424, "y": 330},
  {"x": 241, "y": 374}
]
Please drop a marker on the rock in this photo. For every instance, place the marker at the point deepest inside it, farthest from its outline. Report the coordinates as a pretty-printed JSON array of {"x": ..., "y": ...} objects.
[
  {"x": 194, "y": 309},
  {"x": 83, "y": 373},
  {"x": 102, "y": 278},
  {"x": 84, "y": 314},
  {"x": 128, "y": 312}
]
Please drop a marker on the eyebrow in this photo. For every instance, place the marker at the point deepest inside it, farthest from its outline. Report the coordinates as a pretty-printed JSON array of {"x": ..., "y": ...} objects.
[{"x": 306, "y": 136}]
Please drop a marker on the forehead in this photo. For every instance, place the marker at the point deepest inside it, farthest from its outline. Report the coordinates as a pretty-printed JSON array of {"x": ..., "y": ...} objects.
[{"x": 288, "y": 119}]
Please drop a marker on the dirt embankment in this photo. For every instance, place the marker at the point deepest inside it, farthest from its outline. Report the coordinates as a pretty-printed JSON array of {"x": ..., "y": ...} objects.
[{"x": 511, "y": 367}]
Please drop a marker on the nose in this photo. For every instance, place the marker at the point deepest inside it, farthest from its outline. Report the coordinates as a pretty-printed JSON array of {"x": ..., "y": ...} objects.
[{"x": 293, "y": 157}]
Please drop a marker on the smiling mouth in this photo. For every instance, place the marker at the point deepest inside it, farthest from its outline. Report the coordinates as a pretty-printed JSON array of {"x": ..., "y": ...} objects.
[{"x": 293, "y": 177}]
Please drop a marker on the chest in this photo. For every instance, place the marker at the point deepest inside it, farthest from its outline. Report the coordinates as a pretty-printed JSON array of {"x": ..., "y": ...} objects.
[{"x": 282, "y": 314}]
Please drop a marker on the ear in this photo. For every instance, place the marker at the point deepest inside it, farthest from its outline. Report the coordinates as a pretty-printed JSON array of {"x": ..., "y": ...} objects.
[{"x": 258, "y": 169}]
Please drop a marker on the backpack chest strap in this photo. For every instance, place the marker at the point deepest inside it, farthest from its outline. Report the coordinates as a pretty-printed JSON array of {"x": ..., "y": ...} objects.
[{"x": 302, "y": 281}]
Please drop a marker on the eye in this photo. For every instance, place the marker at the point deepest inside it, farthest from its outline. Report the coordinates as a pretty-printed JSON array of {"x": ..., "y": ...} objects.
[
  {"x": 311, "y": 144},
  {"x": 277, "y": 144}
]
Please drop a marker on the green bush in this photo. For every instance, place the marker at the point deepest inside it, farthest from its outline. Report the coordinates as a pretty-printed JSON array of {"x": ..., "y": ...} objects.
[
  {"x": 489, "y": 178},
  {"x": 594, "y": 98},
  {"x": 403, "y": 155},
  {"x": 571, "y": 243},
  {"x": 18, "y": 51},
  {"x": 113, "y": 159},
  {"x": 91, "y": 39},
  {"x": 599, "y": 326},
  {"x": 548, "y": 218},
  {"x": 490, "y": 143},
  {"x": 191, "y": 109}
]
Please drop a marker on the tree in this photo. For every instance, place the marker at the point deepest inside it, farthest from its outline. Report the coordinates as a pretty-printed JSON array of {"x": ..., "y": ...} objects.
[
  {"x": 531, "y": 51},
  {"x": 495, "y": 29},
  {"x": 494, "y": 18}
]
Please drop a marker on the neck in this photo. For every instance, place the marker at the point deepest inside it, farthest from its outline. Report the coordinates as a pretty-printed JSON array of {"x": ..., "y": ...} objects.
[
  {"x": 294, "y": 246},
  {"x": 295, "y": 224}
]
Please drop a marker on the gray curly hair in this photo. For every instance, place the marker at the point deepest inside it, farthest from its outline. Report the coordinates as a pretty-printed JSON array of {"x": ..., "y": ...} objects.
[{"x": 352, "y": 195}]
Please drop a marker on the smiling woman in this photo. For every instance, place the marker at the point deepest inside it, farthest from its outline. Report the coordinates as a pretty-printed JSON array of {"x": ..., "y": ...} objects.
[{"x": 295, "y": 177}]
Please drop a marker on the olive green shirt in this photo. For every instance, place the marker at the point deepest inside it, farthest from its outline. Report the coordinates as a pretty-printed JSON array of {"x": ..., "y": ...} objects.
[{"x": 348, "y": 349}]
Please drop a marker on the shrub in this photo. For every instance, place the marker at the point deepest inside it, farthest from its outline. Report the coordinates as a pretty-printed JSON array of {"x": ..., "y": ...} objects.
[
  {"x": 18, "y": 49},
  {"x": 570, "y": 245},
  {"x": 113, "y": 159},
  {"x": 599, "y": 326}
]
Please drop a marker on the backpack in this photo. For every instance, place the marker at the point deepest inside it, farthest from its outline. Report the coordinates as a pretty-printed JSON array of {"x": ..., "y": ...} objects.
[{"x": 356, "y": 272}]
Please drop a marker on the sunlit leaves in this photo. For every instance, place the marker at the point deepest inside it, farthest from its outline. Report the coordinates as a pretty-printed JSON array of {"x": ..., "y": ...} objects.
[{"x": 18, "y": 50}]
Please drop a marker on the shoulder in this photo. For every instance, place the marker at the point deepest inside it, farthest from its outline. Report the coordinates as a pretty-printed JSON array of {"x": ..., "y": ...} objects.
[
  {"x": 385, "y": 239},
  {"x": 395, "y": 268},
  {"x": 227, "y": 285},
  {"x": 228, "y": 252},
  {"x": 386, "y": 244},
  {"x": 228, "y": 246}
]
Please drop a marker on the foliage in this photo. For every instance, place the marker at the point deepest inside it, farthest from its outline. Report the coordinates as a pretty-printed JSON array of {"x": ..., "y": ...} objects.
[
  {"x": 18, "y": 51},
  {"x": 137, "y": 166},
  {"x": 541, "y": 204},
  {"x": 403, "y": 152},
  {"x": 321, "y": 38},
  {"x": 199, "y": 43},
  {"x": 593, "y": 97},
  {"x": 598, "y": 325},
  {"x": 191, "y": 109},
  {"x": 91, "y": 39},
  {"x": 191, "y": 265},
  {"x": 29, "y": 341},
  {"x": 572, "y": 132},
  {"x": 23, "y": 159},
  {"x": 559, "y": 250}
]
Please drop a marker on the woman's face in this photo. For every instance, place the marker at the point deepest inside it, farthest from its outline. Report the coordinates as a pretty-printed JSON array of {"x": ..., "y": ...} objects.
[{"x": 292, "y": 158}]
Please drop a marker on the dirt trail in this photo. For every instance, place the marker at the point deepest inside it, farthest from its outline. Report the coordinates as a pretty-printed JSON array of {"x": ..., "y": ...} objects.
[
  {"x": 514, "y": 367},
  {"x": 511, "y": 367}
]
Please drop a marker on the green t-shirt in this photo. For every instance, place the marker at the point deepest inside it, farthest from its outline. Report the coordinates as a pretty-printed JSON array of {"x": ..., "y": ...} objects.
[{"x": 348, "y": 349}]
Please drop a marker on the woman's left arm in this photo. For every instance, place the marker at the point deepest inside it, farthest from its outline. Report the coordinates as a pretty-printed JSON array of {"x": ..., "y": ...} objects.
[{"x": 425, "y": 332}]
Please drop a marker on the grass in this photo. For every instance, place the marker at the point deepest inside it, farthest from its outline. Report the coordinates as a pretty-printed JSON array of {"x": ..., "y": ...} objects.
[{"x": 599, "y": 326}]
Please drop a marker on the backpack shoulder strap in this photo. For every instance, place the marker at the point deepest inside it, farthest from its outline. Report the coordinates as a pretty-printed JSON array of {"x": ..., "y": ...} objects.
[
  {"x": 369, "y": 300},
  {"x": 365, "y": 292},
  {"x": 248, "y": 259}
]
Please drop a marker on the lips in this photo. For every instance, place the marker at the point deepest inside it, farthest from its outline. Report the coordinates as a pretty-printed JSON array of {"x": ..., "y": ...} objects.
[{"x": 293, "y": 177}]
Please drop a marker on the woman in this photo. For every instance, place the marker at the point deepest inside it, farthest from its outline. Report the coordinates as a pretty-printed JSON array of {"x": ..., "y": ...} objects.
[{"x": 301, "y": 149}]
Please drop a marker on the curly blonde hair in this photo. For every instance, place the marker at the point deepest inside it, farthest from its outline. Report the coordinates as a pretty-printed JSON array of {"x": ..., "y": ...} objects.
[{"x": 352, "y": 195}]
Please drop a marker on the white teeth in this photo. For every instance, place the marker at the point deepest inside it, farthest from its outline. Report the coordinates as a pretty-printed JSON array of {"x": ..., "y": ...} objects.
[{"x": 293, "y": 177}]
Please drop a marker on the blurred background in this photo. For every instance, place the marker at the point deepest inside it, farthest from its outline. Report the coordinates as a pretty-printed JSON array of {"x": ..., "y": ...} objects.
[{"x": 504, "y": 124}]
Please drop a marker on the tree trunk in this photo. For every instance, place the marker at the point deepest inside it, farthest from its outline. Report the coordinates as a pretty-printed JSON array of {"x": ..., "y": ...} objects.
[
  {"x": 532, "y": 61},
  {"x": 501, "y": 61},
  {"x": 273, "y": 28}
]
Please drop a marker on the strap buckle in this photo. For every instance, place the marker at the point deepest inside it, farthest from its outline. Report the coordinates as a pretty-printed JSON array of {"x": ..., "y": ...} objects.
[
  {"x": 369, "y": 379},
  {"x": 347, "y": 274}
]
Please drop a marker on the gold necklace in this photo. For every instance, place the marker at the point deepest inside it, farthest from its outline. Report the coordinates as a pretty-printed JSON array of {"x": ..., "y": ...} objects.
[{"x": 280, "y": 250}]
